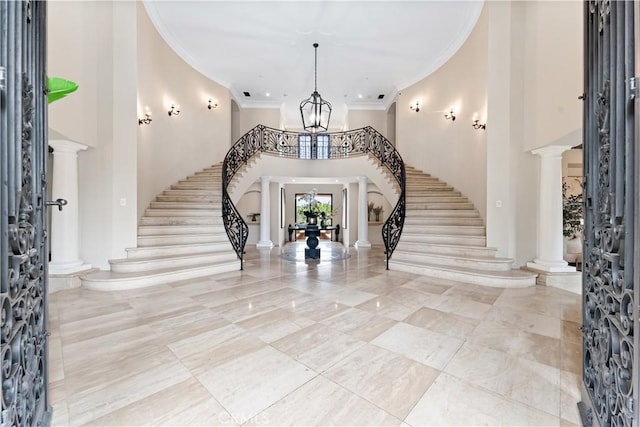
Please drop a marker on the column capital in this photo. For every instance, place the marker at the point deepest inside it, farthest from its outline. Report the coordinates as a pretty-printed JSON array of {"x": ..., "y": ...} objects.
[
  {"x": 66, "y": 146},
  {"x": 551, "y": 150}
]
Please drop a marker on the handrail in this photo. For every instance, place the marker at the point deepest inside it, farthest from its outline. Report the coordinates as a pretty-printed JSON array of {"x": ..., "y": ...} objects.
[{"x": 336, "y": 145}]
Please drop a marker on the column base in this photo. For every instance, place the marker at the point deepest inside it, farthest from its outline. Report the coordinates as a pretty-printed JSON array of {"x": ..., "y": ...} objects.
[
  {"x": 68, "y": 267},
  {"x": 362, "y": 244},
  {"x": 264, "y": 244},
  {"x": 550, "y": 266}
]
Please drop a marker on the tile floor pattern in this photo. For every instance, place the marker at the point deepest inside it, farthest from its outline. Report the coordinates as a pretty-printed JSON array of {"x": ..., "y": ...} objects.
[{"x": 330, "y": 343}]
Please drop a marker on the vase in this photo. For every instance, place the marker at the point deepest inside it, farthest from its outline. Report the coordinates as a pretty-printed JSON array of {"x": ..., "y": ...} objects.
[{"x": 312, "y": 220}]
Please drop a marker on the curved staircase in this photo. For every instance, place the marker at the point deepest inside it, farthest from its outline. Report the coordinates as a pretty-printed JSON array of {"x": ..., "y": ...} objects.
[
  {"x": 444, "y": 237},
  {"x": 180, "y": 236}
]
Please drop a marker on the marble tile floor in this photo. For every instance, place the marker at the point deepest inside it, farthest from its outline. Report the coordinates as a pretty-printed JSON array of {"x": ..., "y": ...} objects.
[{"x": 341, "y": 342}]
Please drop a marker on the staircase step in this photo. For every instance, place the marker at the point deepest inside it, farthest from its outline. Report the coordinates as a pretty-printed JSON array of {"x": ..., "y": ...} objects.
[
  {"x": 181, "y": 220},
  {"x": 440, "y": 205},
  {"x": 186, "y": 184},
  {"x": 187, "y": 205},
  {"x": 194, "y": 192},
  {"x": 444, "y": 239},
  {"x": 428, "y": 189},
  {"x": 503, "y": 279},
  {"x": 181, "y": 239},
  {"x": 204, "y": 178},
  {"x": 458, "y": 250},
  {"x": 436, "y": 198},
  {"x": 190, "y": 198},
  {"x": 176, "y": 250},
  {"x": 208, "y": 213},
  {"x": 110, "y": 281},
  {"x": 411, "y": 221},
  {"x": 465, "y": 261},
  {"x": 139, "y": 265},
  {"x": 453, "y": 230},
  {"x": 443, "y": 213},
  {"x": 156, "y": 230}
]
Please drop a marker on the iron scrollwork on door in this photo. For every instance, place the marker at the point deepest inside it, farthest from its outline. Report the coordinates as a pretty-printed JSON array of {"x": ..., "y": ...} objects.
[
  {"x": 23, "y": 283},
  {"x": 609, "y": 396}
]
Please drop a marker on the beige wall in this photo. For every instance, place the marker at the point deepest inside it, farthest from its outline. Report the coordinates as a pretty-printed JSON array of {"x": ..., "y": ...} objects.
[
  {"x": 251, "y": 117},
  {"x": 93, "y": 44},
  {"x": 553, "y": 73},
  {"x": 171, "y": 148},
  {"x": 450, "y": 150},
  {"x": 377, "y": 119}
]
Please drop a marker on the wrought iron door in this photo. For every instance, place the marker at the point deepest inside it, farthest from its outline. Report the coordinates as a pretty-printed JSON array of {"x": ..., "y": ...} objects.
[
  {"x": 610, "y": 276},
  {"x": 23, "y": 261}
]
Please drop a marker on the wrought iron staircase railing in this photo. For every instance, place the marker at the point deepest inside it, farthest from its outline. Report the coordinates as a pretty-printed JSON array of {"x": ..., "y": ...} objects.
[{"x": 337, "y": 145}]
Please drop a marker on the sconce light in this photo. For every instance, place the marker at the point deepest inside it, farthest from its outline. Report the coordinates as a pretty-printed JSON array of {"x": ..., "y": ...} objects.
[
  {"x": 450, "y": 116},
  {"x": 477, "y": 125},
  {"x": 3, "y": 74},
  {"x": 212, "y": 104},
  {"x": 416, "y": 107},
  {"x": 146, "y": 120},
  {"x": 174, "y": 110}
]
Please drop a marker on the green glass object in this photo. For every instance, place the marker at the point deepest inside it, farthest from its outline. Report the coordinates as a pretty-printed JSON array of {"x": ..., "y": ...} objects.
[{"x": 59, "y": 88}]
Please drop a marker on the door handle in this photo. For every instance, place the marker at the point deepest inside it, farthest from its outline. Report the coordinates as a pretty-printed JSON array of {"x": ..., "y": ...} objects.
[{"x": 58, "y": 202}]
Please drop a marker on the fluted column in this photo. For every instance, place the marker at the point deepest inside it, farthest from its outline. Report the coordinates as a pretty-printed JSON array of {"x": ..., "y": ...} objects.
[
  {"x": 363, "y": 214},
  {"x": 265, "y": 220},
  {"x": 65, "y": 246},
  {"x": 549, "y": 254}
]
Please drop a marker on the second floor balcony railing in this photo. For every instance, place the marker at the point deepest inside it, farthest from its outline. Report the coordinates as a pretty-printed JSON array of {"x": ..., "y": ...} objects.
[{"x": 306, "y": 146}]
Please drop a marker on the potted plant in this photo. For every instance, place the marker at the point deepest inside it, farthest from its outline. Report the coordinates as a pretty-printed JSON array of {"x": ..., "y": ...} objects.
[
  {"x": 377, "y": 211},
  {"x": 311, "y": 210},
  {"x": 370, "y": 207},
  {"x": 573, "y": 224}
]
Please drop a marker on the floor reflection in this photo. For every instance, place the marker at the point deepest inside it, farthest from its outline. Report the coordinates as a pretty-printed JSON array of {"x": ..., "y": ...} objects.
[{"x": 329, "y": 251}]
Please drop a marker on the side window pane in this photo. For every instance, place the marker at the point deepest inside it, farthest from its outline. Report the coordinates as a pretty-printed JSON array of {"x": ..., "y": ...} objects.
[
  {"x": 304, "y": 146},
  {"x": 323, "y": 146}
]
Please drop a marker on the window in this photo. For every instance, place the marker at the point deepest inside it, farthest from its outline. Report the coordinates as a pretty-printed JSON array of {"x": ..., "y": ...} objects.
[
  {"x": 325, "y": 205},
  {"x": 304, "y": 146},
  {"x": 323, "y": 146}
]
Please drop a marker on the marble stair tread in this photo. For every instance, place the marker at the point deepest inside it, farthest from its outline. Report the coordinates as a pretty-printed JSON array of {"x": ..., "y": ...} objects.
[
  {"x": 186, "y": 205},
  {"x": 449, "y": 230},
  {"x": 501, "y": 279},
  {"x": 193, "y": 192},
  {"x": 170, "y": 250},
  {"x": 438, "y": 248},
  {"x": 181, "y": 220},
  {"x": 455, "y": 260},
  {"x": 440, "y": 205},
  {"x": 461, "y": 240},
  {"x": 433, "y": 221},
  {"x": 470, "y": 213},
  {"x": 133, "y": 265},
  {"x": 190, "y": 198},
  {"x": 110, "y": 281},
  {"x": 159, "y": 212},
  {"x": 156, "y": 230}
]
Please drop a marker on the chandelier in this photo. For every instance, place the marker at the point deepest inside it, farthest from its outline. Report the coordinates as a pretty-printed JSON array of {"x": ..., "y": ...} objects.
[{"x": 315, "y": 111}]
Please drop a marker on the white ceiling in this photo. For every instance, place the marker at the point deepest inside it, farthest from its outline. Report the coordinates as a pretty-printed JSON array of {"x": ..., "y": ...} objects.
[{"x": 367, "y": 48}]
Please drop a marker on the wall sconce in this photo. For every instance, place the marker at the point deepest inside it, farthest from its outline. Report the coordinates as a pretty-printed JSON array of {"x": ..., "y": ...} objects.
[
  {"x": 416, "y": 107},
  {"x": 174, "y": 110},
  {"x": 477, "y": 125},
  {"x": 3, "y": 77},
  {"x": 212, "y": 104},
  {"x": 450, "y": 116},
  {"x": 146, "y": 120}
]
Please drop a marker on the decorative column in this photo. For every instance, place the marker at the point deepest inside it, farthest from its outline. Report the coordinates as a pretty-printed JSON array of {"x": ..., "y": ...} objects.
[
  {"x": 65, "y": 247},
  {"x": 550, "y": 239},
  {"x": 363, "y": 214},
  {"x": 265, "y": 222}
]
